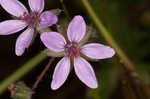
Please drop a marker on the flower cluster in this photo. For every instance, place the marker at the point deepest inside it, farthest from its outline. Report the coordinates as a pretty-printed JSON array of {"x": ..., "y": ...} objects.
[
  {"x": 55, "y": 41},
  {"x": 36, "y": 18}
]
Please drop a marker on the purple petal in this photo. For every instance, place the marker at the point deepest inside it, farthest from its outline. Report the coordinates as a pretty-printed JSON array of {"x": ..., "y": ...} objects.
[
  {"x": 97, "y": 51},
  {"x": 76, "y": 29},
  {"x": 47, "y": 19},
  {"x": 11, "y": 26},
  {"x": 36, "y": 5},
  {"x": 54, "y": 41},
  {"x": 85, "y": 72},
  {"x": 61, "y": 73},
  {"x": 23, "y": 41},
  {"x": 14, "y": 7}
]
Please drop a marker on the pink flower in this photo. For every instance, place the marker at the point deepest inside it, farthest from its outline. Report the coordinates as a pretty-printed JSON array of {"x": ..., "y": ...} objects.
[
  {"x": 56, "y": 42},
  {"x": 24, "y": 19}
]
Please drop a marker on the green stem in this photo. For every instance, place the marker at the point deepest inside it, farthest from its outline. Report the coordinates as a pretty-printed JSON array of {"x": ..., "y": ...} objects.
[
  {"x": 22, "y": 71},
  {"x": 129, "y": 65}
]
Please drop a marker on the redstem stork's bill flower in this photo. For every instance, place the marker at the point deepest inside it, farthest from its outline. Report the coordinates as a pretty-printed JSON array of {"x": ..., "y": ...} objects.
[
  {"x": 56, "y": 42},
  {"x": 24, "y": 19}
]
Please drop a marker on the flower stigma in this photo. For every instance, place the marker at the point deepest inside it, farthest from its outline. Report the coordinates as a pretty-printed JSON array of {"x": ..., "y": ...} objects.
[
  {"x": 72, "y": 50},
  {"x": 31, "y": 19}
]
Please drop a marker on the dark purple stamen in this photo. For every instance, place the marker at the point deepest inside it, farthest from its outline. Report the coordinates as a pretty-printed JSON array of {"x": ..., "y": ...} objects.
[
  {"x": 73, "y": 50},
  {"x": 30, "y": 19}
]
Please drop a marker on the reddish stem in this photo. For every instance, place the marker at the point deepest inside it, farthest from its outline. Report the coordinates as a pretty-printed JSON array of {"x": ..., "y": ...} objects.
[{"x": 43, "y": 73}]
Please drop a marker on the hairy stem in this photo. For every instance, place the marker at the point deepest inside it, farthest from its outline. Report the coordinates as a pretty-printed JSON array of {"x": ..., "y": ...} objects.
[
  {"x": 43, "y": 73},
  {"x": 129, "y": 65},
  {"x": 22, "y": 71},
  {"x": 123, "y": 58}
]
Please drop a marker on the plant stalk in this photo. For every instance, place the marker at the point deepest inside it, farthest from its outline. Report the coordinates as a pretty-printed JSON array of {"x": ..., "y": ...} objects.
[
  {"x": 43, "y": 73},
  {"x": 124, "y": 59},
  {"x": 22, "y": 71}
]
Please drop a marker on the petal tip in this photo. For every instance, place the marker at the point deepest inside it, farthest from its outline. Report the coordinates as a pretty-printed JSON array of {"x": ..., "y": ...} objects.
[
  {"x": 19, "y": 52},
  {"x": 112, "y": 52},
  {"x": 54, "y": 86},
  {"x": 94, "y": 86},
  {"x": 78, "y": 17}
]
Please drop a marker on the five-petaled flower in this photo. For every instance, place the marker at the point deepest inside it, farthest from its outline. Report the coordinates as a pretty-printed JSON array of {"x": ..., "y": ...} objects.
[
  {"x": 24, "y": 19},
  {"x": 56, "y": 42}
]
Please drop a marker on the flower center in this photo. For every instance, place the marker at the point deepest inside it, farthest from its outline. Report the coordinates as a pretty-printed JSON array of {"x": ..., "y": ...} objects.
[
  {"x": 73, "y": 50},
  {"x": 31, "y": 19}
]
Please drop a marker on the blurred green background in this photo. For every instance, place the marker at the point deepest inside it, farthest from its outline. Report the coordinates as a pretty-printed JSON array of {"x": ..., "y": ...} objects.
[{"x": 128, "y": 21}]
